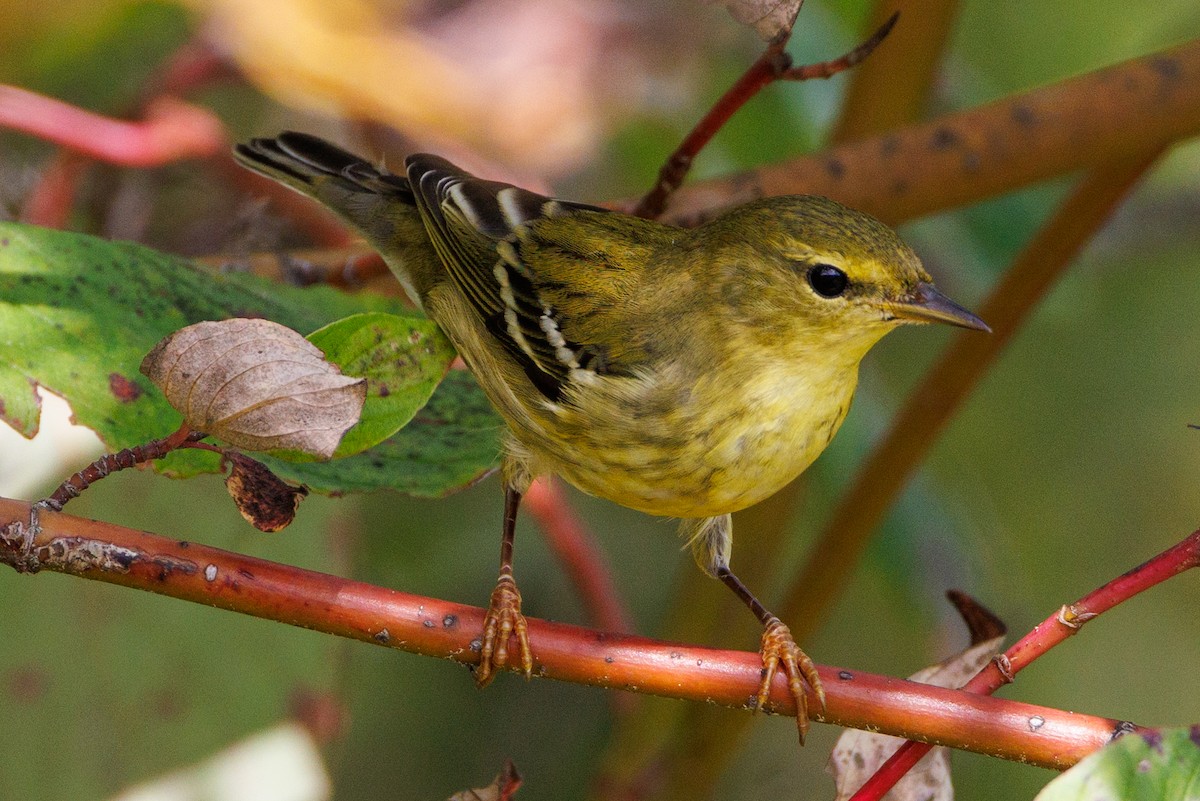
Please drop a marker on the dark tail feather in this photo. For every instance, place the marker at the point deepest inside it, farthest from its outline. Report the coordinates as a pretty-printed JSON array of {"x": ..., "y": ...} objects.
[
  {"x": 302, "y": 160},
  {"x": 371, "y": 199}
]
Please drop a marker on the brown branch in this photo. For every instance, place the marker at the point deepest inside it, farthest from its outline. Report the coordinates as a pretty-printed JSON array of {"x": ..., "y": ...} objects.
[
  {"x": 1108, "y": 115},
  {"x": 892, "y": 88},
  {"x": 956, "y": 159},
  {"x": 198, "y": 573},
  {"x": 110, "y": 463},
  {"x": 846, "y": 61}
]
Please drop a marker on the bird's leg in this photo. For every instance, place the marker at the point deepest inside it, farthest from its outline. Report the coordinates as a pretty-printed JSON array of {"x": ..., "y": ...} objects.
[
  {"x": 779, "y": 649},
  {"x": 711, "y": 539},
  {"x": 504, "y": 616}
]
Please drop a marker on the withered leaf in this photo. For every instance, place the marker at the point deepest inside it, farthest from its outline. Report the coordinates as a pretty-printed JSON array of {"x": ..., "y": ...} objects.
[
  {"x": 266, "y": 501},
  {"x": 768, "y": 18},
  {"x": 502, "y": 788},
  {"x": 858, "y": 754},
  {"x": 256, "y": 385}
]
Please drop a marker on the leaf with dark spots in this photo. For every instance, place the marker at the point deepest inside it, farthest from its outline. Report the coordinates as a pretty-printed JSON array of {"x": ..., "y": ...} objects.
[
  {"x": 453, "y": 442},
  {"x": 401, "y": 377},
  {"x": 123, "y": 389},
  {"x": 1152, "y": 764},
  {"x": 129, "y": 297},
  {"x": 20, "y": 405}
]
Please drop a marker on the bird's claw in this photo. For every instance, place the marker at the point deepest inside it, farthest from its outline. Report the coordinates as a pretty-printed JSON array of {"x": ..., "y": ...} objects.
[
  {"x": 779, "y": 648},
  {"x": 503, "y": 619}
]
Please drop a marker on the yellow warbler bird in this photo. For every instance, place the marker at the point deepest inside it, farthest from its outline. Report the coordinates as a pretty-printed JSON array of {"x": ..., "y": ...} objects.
[{"x": 680, "y": 372}]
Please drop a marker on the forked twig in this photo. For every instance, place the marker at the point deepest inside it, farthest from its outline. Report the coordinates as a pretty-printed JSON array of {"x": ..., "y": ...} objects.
[
  {"x": 1050, "y": 632},
  {"x": 773, "y": 65}
]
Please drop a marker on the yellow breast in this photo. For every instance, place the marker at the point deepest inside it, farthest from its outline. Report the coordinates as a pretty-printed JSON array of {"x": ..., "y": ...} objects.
[{"x": 700, "y": 456}]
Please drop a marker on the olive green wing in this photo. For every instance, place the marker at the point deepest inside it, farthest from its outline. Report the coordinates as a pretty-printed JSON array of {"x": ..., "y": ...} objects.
[{"x": 553, "y": 282}]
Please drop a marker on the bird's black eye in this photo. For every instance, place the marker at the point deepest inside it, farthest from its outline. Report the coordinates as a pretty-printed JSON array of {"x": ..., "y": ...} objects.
[{"x": 827, "y": 281}]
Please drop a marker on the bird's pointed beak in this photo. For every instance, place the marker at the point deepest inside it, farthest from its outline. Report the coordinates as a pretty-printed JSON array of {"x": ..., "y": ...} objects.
[{"x": 926, "y": 305}]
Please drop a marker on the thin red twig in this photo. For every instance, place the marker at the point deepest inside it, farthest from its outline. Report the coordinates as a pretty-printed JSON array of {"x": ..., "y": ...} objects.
[
  {"x": 773, "y": 65},
  {"x": 827, "y": 69},
  {"x": 576, "y": 548},
  {"x": 1050, "y": 632},
  {"x": 171, "y": 130},
  {"x": 110, "y": 463}
]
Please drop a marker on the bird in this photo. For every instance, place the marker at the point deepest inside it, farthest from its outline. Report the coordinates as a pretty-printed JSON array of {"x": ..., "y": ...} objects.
[{"x": 685, "y": 373}]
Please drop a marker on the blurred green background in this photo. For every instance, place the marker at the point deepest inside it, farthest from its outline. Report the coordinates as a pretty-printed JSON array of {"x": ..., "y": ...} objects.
[{"x": 1070, "y": 464}]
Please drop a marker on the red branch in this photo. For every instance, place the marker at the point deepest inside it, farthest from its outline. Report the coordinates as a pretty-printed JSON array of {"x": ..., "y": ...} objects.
[
  {"x": 49, "y": 202},
  {"x": 172, "y": 129},
  {"x": 105, "y": 552},
  {"x": 1050, "y": 632},
  {"x": 575, "y": 547},
  {"x": 773, "y": 65}
]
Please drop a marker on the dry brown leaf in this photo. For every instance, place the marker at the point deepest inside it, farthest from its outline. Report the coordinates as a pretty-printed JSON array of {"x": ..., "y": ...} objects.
[
  {"x": 266, "y": 501},
  {"x": 858, "y": 754},
  {"x": 256, "y": 385},
  {"x": 768, "y": 18},
  {"x": 502, "y": 788}
]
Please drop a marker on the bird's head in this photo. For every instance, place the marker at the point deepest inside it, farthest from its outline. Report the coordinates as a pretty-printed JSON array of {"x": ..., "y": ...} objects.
[{"x": 832, "y": 277}]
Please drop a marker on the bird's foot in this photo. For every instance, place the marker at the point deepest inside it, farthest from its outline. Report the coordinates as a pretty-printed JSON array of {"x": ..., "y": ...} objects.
[
  {"x": 503, "y": 619},
  {"x": 779, "y": 648}
]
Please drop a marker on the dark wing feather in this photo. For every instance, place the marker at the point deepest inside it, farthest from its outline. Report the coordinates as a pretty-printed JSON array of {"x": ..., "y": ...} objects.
[{"x": 516, "y": 256}]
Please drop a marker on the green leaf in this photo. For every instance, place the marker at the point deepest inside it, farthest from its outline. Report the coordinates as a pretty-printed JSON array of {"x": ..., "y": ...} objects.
[
  {"x": 1154, "y": 765},
  {"x": 450, "y": 444},
  {"x": 100, "y": 59},
  {"x": 77, "y": 314},
  {"x": 403, "y": 360}
]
